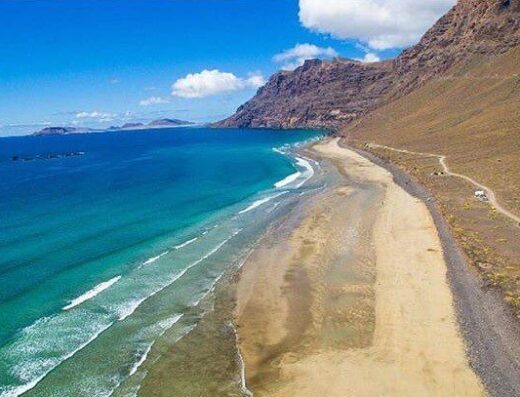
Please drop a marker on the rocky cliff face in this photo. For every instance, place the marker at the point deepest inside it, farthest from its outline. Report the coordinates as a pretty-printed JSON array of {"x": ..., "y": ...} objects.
[
  {"x": 335, "y": 93},
  {"x": 317, "y": 94}
]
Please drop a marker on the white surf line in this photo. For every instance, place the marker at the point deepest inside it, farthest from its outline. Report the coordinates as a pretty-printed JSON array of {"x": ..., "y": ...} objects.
[
  {"x": 154, "y": 259},
  {"x": 143, "y": 357},
  {"x": 442, "y": 160},
  {"x": 91, "y": 293},
  {"x": 177, "y": 247},
  {"x": 302, "y": 162},
  {"x": 258, "y": 203},
  {"x": 190, "y": 328},
  {"x": 134, "y": 368},
  {"x": 131, "y": 306},
  {"x": 274, "y": 206},
  {"x": 141, "y": 360},
  {"x": 242, "y": 366},
  {"x": 186, "y": 243},
  {"x": 280, "y": 150},
  {"x": 287, "y": 180},
  {"x": 19, "y": 390},
  {"x": 169, "y": 322},
  {"x": 137, "y": 302}
]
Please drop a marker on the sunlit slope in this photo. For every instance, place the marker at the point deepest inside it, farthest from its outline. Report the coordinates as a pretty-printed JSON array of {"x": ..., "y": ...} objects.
[{"x": 472, "y": 115}]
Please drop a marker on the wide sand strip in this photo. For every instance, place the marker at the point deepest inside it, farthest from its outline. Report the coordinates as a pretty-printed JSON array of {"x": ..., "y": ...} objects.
[{"x": 353, "y": 306}]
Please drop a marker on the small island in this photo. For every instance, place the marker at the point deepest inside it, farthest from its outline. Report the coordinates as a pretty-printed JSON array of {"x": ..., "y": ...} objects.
[{"x": 159, "y": 123}]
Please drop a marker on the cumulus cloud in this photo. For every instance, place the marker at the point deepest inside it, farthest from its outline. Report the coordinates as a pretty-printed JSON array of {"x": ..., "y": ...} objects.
[
  {"x": 369, "y": 57},
  {"x": 381, "y": 24},
  {"x": 100, "y": 116},
  {"x": 296, "y": 56},
  {"x": 255, "y": 80},
  {"x": 153, "y": 100},
  {"x": 213, "y": 82}
]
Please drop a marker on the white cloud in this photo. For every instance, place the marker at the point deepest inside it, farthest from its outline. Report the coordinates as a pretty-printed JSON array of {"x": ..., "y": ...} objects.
[
  {"x": 296, "y": 56},
  {"x": 213, "y": 82},
  {"x": 100, "y": 116},
  {"x": 382, "y": 24},
  {"x": 153, "y": 100},
  {"x": 369, "y": 57},
  {"x": 115, "y": 81},
  {"x": 255, "y": 80}
]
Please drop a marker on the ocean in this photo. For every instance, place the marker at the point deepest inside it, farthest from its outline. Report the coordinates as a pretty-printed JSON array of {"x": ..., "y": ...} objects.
[{"x": 107, "y": 240}]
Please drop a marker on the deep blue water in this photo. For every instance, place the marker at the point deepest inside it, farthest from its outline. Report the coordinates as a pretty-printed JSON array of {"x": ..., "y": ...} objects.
[{"x": 94, "y": 228}]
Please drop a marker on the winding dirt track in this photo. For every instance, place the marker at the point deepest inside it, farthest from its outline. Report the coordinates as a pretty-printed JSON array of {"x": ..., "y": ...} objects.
[
  {"x": 491, "y": 332},
  {"x": 442, "y": 160}
]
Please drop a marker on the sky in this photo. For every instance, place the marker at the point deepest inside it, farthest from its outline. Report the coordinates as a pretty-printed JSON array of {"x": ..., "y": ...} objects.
[{"x": 99, "y": 63}]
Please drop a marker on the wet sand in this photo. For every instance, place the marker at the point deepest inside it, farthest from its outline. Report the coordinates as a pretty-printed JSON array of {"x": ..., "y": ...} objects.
[{"x": 351, "y": 298}]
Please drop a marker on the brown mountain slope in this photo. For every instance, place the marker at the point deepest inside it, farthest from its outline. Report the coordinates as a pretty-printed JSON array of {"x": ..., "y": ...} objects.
[
  {"x": 332, "y": 94},
  {"x": 472, "y": 116}
]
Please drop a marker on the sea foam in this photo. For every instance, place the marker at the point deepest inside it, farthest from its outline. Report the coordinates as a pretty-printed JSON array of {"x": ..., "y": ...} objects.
[
  {"x": 186, "y": 243},
  {"x": 304, "y": 175},
  {"x": 288, "y": 180},
  {"x": 35, "y": 355},
  {"x": 129, "y": 307},
  {"x": 155, "y": 258},
  {"x": 34, "y": 343},
  {"x": 309, "y": 170},
  {"x": 92, "y": 293},
  {"x": 141, "y": 359},
  {"x": 259, "y": 202},
  {"x": 177, "y": 247},
  {"x": 165, "y": 325}
]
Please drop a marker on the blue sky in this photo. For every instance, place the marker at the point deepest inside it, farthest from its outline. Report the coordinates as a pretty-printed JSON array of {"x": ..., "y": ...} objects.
[{"x": 103, "y": 62}]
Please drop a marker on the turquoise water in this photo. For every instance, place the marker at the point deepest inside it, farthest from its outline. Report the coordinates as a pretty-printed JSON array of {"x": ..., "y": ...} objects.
[{"x": 107, "y": 239}]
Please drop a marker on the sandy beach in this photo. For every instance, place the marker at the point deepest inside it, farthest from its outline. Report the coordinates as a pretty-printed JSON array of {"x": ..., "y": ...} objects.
[{"x": 354, "y": 299}]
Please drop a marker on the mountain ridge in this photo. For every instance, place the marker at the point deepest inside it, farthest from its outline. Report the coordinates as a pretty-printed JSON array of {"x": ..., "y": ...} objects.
[{"x": 331, "y": 94}]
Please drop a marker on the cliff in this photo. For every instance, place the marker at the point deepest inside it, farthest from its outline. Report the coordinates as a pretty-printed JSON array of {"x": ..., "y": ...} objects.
[
  {"x": 317, "y": 94},
  {"x": 336, "y": 93}
]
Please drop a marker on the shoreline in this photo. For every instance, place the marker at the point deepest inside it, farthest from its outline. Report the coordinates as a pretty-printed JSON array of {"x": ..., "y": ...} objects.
[
  {"x": 218, "y": 340},
  {"x": 297, "y": 356},
  {"x": 205, "y": 360}
]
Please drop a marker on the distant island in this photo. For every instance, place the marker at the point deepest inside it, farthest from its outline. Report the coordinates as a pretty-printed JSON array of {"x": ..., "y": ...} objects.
[
  {"x": 59, "y": 131},
  {"x": 160, "y": 123}
]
